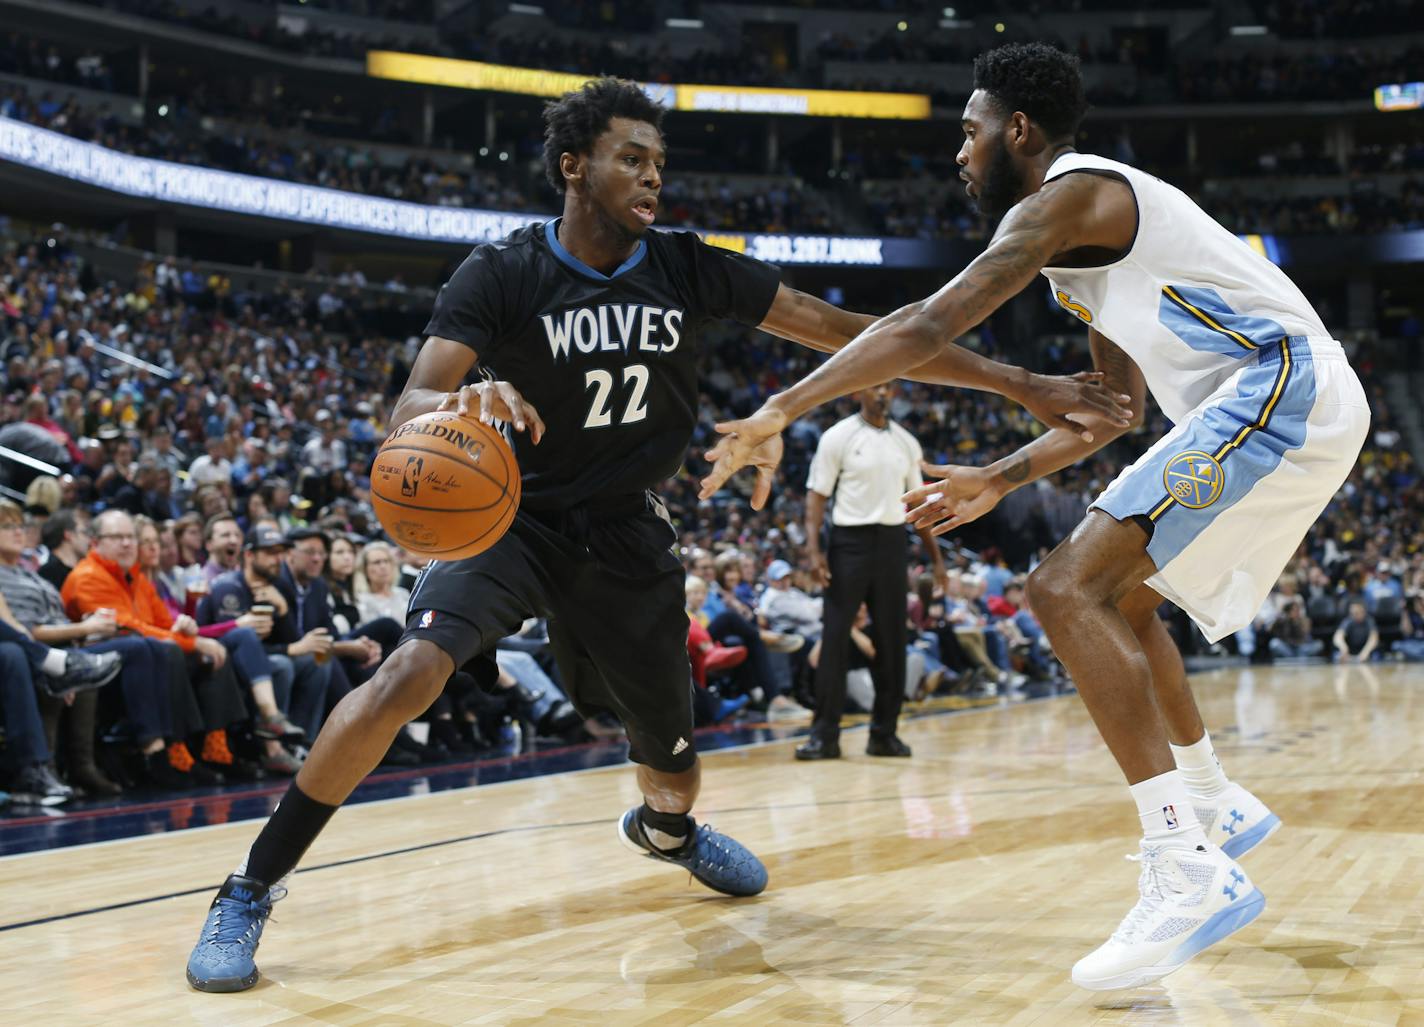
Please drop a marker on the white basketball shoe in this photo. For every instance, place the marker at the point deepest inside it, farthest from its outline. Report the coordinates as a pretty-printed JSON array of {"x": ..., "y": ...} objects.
[
  {"x": 1190, "y": 898},
  {"x": 1236, "y": 820}
]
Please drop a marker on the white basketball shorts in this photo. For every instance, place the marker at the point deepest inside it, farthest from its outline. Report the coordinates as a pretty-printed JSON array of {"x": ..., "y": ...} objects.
[{"x": 1232, "y": 490}]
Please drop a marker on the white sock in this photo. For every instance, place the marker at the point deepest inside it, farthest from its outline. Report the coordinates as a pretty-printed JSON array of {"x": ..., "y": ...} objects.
[
  {"x": 1166, "y": 810},
  {"x": 54, "y": 663},
  {"x": 1200, "y": 768}
]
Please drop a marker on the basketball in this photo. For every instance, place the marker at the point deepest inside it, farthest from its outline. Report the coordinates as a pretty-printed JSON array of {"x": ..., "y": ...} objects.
[{"x": 445, "y": 486}]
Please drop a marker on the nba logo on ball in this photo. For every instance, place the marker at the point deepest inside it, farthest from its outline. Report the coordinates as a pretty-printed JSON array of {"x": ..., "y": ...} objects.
[{"x": 410, "y": 481}]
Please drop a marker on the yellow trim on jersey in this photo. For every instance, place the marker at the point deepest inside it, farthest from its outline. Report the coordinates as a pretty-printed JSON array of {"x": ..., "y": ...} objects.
[
  {"x": 1261, "y": 421},
  {"x": 1207, "y": 319}
]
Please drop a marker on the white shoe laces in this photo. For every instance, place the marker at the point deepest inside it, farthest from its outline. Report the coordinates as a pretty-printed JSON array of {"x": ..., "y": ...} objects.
[{"x": 1154, "y": 883}]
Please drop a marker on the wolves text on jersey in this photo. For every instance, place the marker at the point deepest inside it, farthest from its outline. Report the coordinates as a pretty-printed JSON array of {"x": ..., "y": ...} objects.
[{"x": 613, "y": 328}]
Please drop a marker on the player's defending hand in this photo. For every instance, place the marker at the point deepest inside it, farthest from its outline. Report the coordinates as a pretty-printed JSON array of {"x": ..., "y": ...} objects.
[
  {"x": 754, "y": 441},
  {"x": 957, "y": 496},
  {"x": 1070, "y": 401},
  {"x": 496, "y": 401}
]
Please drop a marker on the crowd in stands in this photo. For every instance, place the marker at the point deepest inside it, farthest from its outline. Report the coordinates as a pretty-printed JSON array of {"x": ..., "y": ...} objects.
[
  {"x": 207, "y": 519},
  {"x": 1360, "y": 210},
  {"x": 1156, "y": 77},
  {"x": 923, "y": 202},
  {"x": 260, "y": 144},
  {"x": 1339, "y": 19}
]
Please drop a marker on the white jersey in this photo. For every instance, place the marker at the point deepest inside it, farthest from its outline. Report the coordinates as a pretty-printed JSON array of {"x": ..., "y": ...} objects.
[{"x": 1189, "y": 301}]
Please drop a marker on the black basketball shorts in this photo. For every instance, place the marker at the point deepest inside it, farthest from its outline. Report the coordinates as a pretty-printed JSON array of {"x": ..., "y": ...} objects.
[{"x": 611, "y": 587}]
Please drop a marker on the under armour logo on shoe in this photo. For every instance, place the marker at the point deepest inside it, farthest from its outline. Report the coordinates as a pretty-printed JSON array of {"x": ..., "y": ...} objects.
[
  {"x": 1230, "y": 889},
  {"x": 681, "y": 745},
  {"x": 1230, "y": 826}
]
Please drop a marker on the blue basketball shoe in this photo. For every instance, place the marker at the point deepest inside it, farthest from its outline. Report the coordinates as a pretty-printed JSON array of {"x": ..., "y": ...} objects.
[
  {"x": 719, "y": 862},
  {"x": 223, "y": 959}
]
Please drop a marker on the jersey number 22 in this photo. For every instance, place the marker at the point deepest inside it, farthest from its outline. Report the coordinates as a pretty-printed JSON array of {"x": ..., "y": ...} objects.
[{"x": 601, "y": 382}]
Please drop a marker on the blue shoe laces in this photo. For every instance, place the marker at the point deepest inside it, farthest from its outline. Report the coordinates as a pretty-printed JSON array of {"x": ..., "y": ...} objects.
[{"x": 234, "y": 918}]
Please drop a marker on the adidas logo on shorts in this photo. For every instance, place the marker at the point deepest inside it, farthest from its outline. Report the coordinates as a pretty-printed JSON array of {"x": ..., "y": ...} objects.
[{"x": 681, "y": 745}]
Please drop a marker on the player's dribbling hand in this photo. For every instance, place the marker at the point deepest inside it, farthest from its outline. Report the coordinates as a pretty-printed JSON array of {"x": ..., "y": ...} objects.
[
  {"x": 1073, "y": 401},
  {"x": 495, "y": 401},
  {"x": 957, "y": 496},
  {"x": 753, "y": 441}
]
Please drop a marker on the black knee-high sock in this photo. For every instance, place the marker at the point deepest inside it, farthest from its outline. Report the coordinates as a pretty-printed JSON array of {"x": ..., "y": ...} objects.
[{"x": 294, "y": 825}]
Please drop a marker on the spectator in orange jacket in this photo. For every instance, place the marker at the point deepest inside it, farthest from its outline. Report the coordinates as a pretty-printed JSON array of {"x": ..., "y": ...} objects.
[{"x": 110, "y": 577}]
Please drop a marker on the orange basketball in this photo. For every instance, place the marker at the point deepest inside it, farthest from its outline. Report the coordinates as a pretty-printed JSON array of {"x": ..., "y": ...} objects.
[{"x": 445, "y": 486}]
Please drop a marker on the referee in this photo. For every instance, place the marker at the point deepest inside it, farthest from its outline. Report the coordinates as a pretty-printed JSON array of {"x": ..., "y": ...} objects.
[{"x": 866, "y": 462}]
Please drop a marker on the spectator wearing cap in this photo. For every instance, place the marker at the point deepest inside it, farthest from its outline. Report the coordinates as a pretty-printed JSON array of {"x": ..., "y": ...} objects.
[
  {"x": 1380, "y": 583},
  {"x": 865, "y": 463},
  {"x": 257, "y": 646},
  {"x": 256, "y": 584},
  {"x": 787, "y": 608}
]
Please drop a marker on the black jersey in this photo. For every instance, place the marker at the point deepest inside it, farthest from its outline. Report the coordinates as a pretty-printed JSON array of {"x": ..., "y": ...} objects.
[{"x": 609, "y": 361}]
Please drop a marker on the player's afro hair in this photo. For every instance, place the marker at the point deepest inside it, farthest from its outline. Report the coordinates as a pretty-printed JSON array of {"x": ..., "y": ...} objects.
[
  {"x": 1035, "y": 78},
  {"x": 576, "y": 119}
]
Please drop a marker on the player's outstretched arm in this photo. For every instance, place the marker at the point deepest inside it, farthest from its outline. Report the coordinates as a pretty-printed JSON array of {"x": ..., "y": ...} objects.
[
  {"x": 959, "y": 495},
  {"x": 1061, "y": 216},
  {"x": 436, "y": 384},
  {"x": 1041, "y": 226},
  {"x": 816, "y": 324}
]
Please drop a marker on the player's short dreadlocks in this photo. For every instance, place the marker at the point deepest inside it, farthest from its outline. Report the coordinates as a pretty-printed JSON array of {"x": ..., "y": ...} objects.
[
  {"x": 1035, "y": 78},
  {"x": 576, "y": 119}
]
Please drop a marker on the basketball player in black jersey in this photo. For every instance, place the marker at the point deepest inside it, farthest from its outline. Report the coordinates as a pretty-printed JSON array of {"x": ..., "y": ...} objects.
[{"x": 587, "y": 328}]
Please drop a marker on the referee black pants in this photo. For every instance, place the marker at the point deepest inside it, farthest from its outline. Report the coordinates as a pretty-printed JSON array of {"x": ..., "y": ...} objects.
[{"x": 868, "y": 565}]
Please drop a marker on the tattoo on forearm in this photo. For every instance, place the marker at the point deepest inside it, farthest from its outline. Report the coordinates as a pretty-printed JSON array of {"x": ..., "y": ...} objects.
[
  {"x": 1114, "y": 364},
  {"x": 1016, "y": 471}
]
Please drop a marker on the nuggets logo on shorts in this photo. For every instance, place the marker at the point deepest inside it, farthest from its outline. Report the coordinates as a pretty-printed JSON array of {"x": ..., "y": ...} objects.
[{"x": 1194, "y": 479}]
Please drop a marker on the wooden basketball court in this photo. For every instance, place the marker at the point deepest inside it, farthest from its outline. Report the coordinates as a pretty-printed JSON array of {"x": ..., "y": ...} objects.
[{"x": 957, "y": 887}]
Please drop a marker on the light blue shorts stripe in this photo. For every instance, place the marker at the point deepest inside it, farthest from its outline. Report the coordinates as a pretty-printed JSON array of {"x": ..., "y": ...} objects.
[{"x": 1209, "y": 462}]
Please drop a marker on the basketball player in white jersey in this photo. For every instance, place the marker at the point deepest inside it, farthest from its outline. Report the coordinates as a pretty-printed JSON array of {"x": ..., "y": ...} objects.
[{"x": 1269, "y": 419}]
